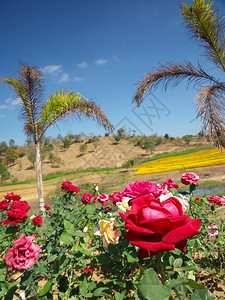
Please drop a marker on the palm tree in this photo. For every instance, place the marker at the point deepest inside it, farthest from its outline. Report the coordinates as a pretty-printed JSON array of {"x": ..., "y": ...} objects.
[
  {"x": 202, "y": 20},
  {"x": 38, "y": 116}
]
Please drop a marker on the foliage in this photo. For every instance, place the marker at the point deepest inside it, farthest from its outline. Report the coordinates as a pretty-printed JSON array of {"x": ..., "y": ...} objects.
[
  {"x": 83, "y": 148},
  {"x": 3, "y": 148},
  {"x": 11, "y": 155},
  {"x": 74, "y": 264},
  {"x": 4, "y": 172}
]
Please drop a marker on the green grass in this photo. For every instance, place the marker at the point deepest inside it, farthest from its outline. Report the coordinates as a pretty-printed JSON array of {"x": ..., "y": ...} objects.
[
  {"x": 53, "y": 176},
  {"x": 188, "y": 151}
]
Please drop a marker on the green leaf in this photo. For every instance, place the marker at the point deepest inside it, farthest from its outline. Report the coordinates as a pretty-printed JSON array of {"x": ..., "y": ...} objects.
[
  {"x": 51, "y": 258},
  {"x": 120, "y": 296},
  {"x": 130, "y": 258},
  {"x": 178, "y": 262},
  {"x": 90, "y": 209},
  {"x": 69, "y": 227},
  {"x": 46, "y": 288},
  {"x": 176, "y": 282},
  {"x": 201, "y": 295},
  {"x": 99, "y": 292},
  {"x": 151, "y": 288},
  {"x": 66, "y": 239},
  {"x": 194, "y": 284},
  {"x": 103, "y": 259}
]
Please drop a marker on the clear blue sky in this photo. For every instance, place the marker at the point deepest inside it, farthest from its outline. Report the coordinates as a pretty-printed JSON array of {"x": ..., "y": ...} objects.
[{"x": 101, "y": 49}]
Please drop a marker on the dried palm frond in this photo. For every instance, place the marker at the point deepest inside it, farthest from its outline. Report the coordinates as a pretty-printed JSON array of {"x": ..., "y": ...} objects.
[
  {"x": 171, "y": 74},
  {"x": 210, "y": 107}
]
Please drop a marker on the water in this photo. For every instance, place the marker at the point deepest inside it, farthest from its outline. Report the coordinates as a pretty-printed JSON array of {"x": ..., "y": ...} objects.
[{"x": 210, "y": 190}]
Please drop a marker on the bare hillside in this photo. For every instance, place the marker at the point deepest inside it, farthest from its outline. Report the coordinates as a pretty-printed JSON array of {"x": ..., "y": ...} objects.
[{"x": 103, "y": 153}]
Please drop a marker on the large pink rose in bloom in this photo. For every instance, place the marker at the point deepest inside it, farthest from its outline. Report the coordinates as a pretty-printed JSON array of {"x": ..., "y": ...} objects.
[
  {"x": 156, "y": 226},
  {"x": 189, "y": 178},
  {"x": 23, "y": 254},
  {"x": 116, "y": 197},
  {"x": 141, "y": 188}
]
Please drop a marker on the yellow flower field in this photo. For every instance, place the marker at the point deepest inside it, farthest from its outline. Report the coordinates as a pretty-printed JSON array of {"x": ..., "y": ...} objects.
[{"x": 198, "y": 159}]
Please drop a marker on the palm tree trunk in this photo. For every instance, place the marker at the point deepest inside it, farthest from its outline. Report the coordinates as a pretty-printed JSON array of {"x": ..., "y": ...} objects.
[{"x": 39, "y": 180}]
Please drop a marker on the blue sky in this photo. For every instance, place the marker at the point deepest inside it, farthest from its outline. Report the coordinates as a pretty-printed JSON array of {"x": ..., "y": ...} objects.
[{"x": 101, "y": 49}]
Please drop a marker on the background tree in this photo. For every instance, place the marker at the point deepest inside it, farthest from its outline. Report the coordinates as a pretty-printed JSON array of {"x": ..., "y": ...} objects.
[
  {"x": 3, "y": 148},
  {"x": 83, "y": 148},
  {"x": 12, "y": 143},
  {"x": 4, "y": 172},
  {"x": 11, "y": 155},
  {"x": 38, "y": 116},
  {"x": 207, "y": 28}
]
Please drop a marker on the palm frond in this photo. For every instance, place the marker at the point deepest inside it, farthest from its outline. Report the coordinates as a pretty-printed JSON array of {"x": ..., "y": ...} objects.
[
  {"x": 204, "y": 24},
  {"x": 210, "y": 108},
  {"x": 64, "y": 103},
  {"x": 28, "y": 86},
  {"x": 171, "y": 74}
]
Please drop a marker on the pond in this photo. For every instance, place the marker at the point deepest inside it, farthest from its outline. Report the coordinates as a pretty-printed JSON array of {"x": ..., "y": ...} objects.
[{"x": 210, "y": 190}]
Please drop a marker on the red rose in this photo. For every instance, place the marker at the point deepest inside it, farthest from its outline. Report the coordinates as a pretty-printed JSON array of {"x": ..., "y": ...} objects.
[
  {"x": 4, "y": 204},
  {"x": 189, "y": 178},
  {"x": 15, "y": 216},
  {"x": 68, "y": 186},
  {"x": 21, "y": 205},
  {"x": 48, "y": 207},
  {"x": 86, "y": 198},
  {"x": 156, "y": 226},
  {"x": 11, "y": 196},
  {"x": 37, "y": 220},
  {"x": 87, "y": 271},
  {"x": 116, "y": 197}
]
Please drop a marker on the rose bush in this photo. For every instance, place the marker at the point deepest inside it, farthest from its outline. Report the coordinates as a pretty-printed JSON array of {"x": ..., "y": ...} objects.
[
  {"x": 156, "y": 226},
  {"x": 4, "y": 204}
]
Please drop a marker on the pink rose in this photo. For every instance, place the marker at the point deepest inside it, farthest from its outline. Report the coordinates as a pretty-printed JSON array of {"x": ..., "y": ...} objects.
[
  {"x": 217, "y": 200},
  {"x": 86, "y": 198},
  {"x": 23, "y": 254},
  {"x": 37, "y": 220},
  {"x": 189, "y": 178},
  {"x": 4, "y": 204},
  {"x": 48, "y": 207},
  {"x": 103, "y": 198},
  {"x": 169, "y": 184},
  {"x": 141, "y": 188}
]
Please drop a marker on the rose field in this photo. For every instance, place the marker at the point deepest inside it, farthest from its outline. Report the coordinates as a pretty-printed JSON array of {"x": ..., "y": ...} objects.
[{"x": 146, "y": 241}]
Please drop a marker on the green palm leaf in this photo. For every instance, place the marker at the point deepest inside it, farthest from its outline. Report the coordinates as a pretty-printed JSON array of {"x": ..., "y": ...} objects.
[
  {"x": 204, "y": 24},
  {"x": 66, "y": 103}
]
